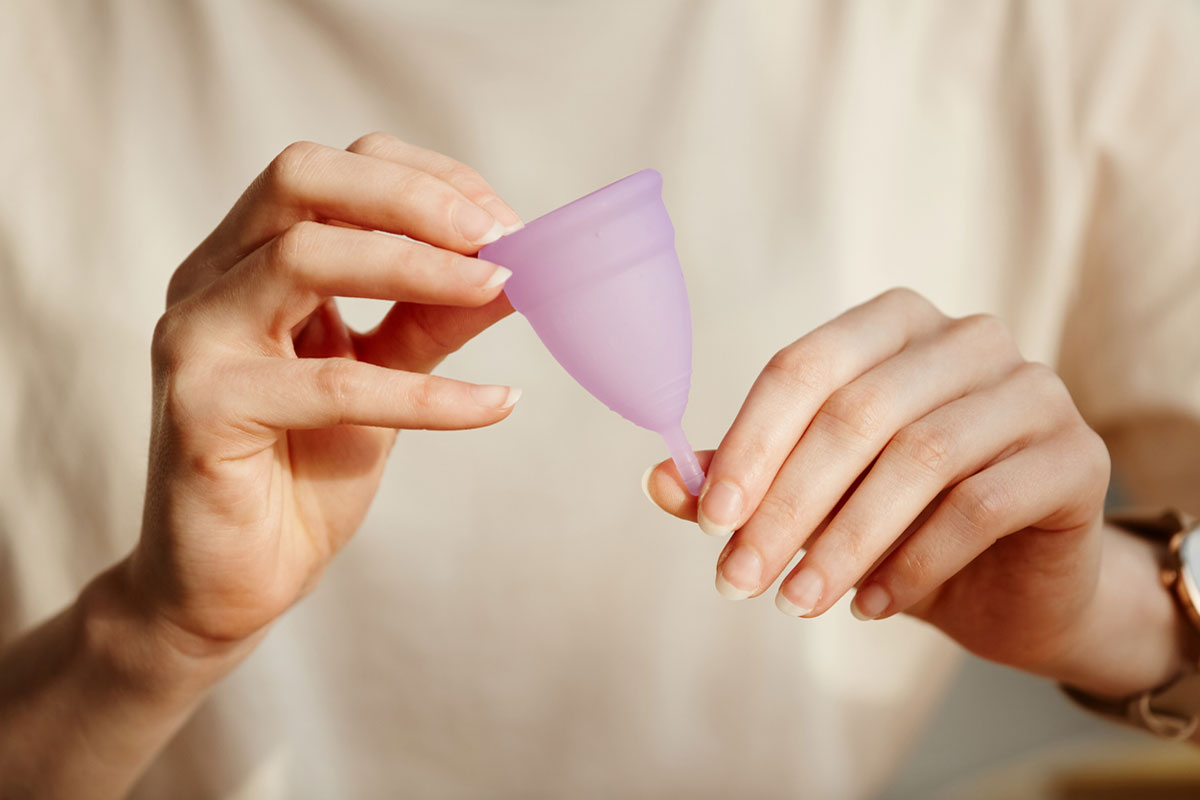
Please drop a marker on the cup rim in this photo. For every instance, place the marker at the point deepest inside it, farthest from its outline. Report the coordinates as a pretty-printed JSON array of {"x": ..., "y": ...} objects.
[{"x": 631, "y": 185}]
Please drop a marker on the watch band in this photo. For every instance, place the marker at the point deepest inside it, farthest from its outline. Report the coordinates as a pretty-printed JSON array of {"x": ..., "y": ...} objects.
[
  {"x": 1171, "y": 711},
  {"x": 1152, "y": 523}
]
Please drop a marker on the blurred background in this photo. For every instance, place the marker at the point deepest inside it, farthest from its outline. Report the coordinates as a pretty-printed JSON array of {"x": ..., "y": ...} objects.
[
  {"x": 988, "y": 153},
  {"x": 1001, "y": 734}
]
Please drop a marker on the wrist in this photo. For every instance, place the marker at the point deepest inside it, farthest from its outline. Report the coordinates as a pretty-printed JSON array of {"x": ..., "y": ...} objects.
[
  {"x": 90, "y": 696},
  {"x": 1133, "y": 637},
  {"x": 136, "y": 650}
]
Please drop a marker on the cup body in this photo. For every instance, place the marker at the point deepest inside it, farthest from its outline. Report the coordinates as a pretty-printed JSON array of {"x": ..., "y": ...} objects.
[{"x": 600, "y": 283}]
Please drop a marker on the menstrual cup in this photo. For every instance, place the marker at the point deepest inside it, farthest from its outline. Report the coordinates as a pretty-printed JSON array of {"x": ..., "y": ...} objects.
[{"x": 600, "y": 282}]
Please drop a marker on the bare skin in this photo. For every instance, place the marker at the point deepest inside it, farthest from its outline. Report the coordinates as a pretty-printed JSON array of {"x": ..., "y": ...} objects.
[
  {"x": 921, "y": 459},
  {"x": 272, "y": 424}
]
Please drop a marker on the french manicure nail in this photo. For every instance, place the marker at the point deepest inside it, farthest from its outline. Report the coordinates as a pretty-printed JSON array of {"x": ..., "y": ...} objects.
[
  {"x": 800, "y": 595},
  {"x": 785, "y": 605},
  {"x": 496, "y": 396},
  {"x": 646, "y": 482},
  {"x": 504, "y": 214},
  {"x": 476, "y": 225},
  {"x": 483, "y": 274},
  {"x": 499, "y": 277},
  {"x": 739, "y": 574},
  {"x": 720, "y": 508},
  {"x": 870, "y": 602}
]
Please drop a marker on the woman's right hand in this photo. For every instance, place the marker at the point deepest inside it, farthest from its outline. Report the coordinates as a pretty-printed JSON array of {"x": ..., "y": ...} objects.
[{"x": 272, "y": 421}]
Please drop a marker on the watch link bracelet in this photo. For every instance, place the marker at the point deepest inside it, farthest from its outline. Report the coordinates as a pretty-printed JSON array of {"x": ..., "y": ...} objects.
[{"x": 1172, "y": 710}]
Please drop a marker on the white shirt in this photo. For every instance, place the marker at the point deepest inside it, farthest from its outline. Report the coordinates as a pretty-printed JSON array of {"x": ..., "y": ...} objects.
[{"x": 514, "y": 619}]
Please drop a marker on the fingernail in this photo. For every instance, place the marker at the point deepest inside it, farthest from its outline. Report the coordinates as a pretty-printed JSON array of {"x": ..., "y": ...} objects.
[
  {"x": 739, "y": 575},
  {"x": 800, "y": 595},
  {"x": 496, "y": 396},
  {"x": 646, "y": 482},
  {"x": 504, "y": 214},
  {"x": 476, "y": 225},
  {"x": 720, "y": 508},
  {"x": 870, "y": 602},
  {"x": 483, "y": 274},
  {"x": 499, "y": 277}
]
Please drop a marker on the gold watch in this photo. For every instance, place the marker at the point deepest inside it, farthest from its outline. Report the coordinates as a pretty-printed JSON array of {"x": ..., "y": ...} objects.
[{"x": 1172, "y": 710}]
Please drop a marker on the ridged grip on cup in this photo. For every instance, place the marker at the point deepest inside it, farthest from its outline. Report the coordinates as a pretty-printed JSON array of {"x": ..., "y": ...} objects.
[{"x": 600, "y": 283}]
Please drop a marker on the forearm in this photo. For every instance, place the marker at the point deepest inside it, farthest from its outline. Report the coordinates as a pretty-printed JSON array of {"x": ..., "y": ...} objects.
[{"x": 90, "y": 697}]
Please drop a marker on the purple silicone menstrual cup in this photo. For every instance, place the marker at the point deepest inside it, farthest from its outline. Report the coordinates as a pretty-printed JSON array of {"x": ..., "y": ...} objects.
[{"x": 600, "y": 282}]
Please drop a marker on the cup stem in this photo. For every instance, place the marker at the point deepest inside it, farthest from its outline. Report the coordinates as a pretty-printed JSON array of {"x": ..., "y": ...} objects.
[{"x": 684, "y": 458}]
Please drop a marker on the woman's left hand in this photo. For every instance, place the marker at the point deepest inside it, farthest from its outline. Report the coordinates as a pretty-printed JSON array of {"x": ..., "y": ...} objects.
[{"x": 922, "y": 459}]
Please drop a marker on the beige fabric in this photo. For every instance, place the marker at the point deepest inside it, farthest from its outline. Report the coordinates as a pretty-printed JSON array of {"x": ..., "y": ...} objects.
[{"x": 514, "y": 619}]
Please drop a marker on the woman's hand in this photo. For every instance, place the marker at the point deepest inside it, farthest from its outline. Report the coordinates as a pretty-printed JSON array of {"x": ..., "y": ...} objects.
[
  {"x": 923, "y": 459},
  {"x": 273, "y": 421},
  {"x": 271, "y": 426}
]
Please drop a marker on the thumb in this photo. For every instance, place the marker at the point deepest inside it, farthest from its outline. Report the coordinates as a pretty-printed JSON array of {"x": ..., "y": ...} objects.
[{"x": 662, "y": 484}]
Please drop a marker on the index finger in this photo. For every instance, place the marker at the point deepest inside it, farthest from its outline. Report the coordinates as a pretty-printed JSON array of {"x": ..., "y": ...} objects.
[
  {"x": 792, "y": 387},
  {"x": 312, "y": 181},
  {"x": 459, "y": 175}
]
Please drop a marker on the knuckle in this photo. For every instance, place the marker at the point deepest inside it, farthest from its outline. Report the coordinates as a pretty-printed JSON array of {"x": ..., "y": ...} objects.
[
  {"x": 375, "y": 143},
  {"x": 1043, "y": 382},
  {"x": 903, "y": 294},
  {"x": 337, "y": 384},
  {"x": 1097, "y": 459},
  {"x": 188, "y": 395},
  {"x": 469, "y": 181},
  {"x": 164, "y": 340},
  {"x": 1040, "y": 376},
  {"x": 438, "y": 262},
  {"x": 751, "y": 456},
  {"x": 413, "y": 182},
  {"x": 909, "y": 298},
  {"x": 425, "y": 396},
  {"x": 287, "y": 171},
  {"x": 912, "y": 306},
  {"x": 859, "y": 409},
  {"x": 781, "y": 511},
  {"x": 849, "y": 546},
  {"x": 799, "y": 368},
  {"x": 432, "y": 192},
  {"x": 981, "y": 504},
  {"x": 984, "y": 326},
  {"x": 170, "y": 340},
  {"x": 987, "y": 331},
  {"x": 1043, "y": 379},
  {"x": 293, "y": 248},
  {"x": 924, "y": 444},
  {"x": 912, "y": 563}
]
